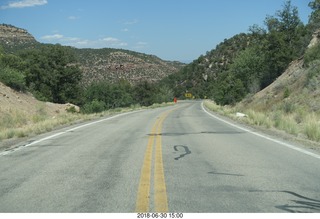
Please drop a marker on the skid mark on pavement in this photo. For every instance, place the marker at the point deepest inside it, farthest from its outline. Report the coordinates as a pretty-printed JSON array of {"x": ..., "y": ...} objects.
[{"x": 185, "y": 148}]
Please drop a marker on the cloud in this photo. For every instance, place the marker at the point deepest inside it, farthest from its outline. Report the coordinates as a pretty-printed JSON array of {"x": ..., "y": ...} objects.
[
  {"x": 110, "y": 41},
  {"x": 84, "y": 43},
  {"x": 107, "y": 42},
  {"x": 73, "y": 17},
  {"x": 59, "y": 38},
  {"x": 125, "y": 30},
  {"x": 24, "y": 4},
  {"x": 131, "y": 22},
  {"x": 140, "y": 45},
  {"x": 52, "y": 37}
]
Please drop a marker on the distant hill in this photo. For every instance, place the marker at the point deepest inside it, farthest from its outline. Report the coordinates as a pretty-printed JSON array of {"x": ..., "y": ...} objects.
[
  {"x": 117, "y": 64},
  {"x": 98, "y": 64}
]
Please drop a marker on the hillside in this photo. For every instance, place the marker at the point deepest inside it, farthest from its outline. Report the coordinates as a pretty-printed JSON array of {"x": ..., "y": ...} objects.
[
  {"x": 288, "y": 87},
  {"x": 19, "y": 112},
  {"x": 206, "y": 75},
  {"x": 246, "y": 62},
  {"x": 12, "y": 101},
  {"x": 290, "y": 106},
  {"x": 298, "y": 86},
  {"x": 292, "y": 102},
  {"x": 116, "y": 64},
  {"x": 98, "y": 64}
]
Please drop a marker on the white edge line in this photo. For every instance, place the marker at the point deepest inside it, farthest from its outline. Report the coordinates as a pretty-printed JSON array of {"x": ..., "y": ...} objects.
[
  {"x": 262, "y": 136},
  {"x": 64, "y": 132}
]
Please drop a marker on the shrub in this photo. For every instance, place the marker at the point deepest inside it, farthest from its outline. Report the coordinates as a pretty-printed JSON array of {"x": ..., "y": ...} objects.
[
  {"x": 312, "y": 54},
  {"x": 314, "y": 76},
  {"x": 288, "y": 107},
  {"x": 286, "y": 93},
  {"x": 94, "y": 106},
  {"x": 71, "y": 109},
  {"x": 13, "y": 79}
]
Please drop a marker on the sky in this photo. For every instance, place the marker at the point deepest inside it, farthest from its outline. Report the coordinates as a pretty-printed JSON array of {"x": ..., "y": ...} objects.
[{"x": 176, "y": 30}]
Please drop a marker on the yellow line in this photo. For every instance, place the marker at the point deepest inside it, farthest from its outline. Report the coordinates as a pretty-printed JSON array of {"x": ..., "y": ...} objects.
[
  {"x": 160, "y": 193},
  {"x": 142, "y": 204}
]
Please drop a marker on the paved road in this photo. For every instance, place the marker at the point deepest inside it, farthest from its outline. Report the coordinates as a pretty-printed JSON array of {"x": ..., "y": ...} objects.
[{"x": 174, "y": 159}]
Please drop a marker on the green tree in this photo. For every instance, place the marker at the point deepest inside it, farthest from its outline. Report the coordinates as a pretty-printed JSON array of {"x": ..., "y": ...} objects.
[
  {"x": 121, "y": 94},
  {"x": 144, "y": 93},
  {"x": 52, "y": 75},
  {"x": 283, "y": 42},
  {"x": 10, "y": 74},
  {"x": 100, "y": 92},
  {"x": 248, "y": 67},
  {"x": 12, "y": 78},
  {"x": 163, "y": 94},
  {"x": 114, "y": 95},
  {"x": 228, "y": 90},
  {"x": 314, "y": 18}
]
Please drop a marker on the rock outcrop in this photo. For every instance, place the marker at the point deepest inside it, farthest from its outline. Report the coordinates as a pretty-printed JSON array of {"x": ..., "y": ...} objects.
[
  {"x": 11, "y": 36},
  {"x": 315, "y": 39}
]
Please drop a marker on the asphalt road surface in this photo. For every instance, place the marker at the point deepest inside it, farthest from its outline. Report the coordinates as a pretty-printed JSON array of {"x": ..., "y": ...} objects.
[{"x": 173, "y": 159}]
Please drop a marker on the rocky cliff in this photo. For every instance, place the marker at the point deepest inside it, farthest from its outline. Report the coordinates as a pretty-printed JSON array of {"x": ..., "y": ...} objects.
[{"x": 13, "y": 38}]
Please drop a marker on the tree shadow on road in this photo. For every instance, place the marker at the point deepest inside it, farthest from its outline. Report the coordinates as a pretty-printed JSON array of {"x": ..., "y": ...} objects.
[{"x": 299, "y": 203}]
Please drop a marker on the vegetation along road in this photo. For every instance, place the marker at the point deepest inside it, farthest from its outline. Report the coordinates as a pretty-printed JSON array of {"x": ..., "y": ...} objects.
[{"x": 172, "y": 159}]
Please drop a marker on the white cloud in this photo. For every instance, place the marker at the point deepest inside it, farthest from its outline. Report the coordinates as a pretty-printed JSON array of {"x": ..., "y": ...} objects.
[
  {"x": 111, "y": 41},
  {"x": 59, "y": 38},
  {"x": 131, "y": 22},
  {"x": 84, "y": 43},
  {"x": 52, "y": 37},
  {"x": 24, "y": 4},
  {"x": 125, "y": 30},
  {"x": 81, "y": 43},
  {"x": 73, "y": 17},
  {"x": 140, "y": 45}
]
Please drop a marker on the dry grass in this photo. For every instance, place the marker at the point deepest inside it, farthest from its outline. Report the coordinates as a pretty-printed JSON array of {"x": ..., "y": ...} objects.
[
  {"x": 312, "y": 127},
  {"x": 292, "y": 120},
  {"x": 257, "y": 118},
  {"x": 16, "y": 124}
]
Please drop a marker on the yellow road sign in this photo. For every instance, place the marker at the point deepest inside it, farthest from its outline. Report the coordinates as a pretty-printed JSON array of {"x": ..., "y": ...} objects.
[{"x": 188, "y": 95}]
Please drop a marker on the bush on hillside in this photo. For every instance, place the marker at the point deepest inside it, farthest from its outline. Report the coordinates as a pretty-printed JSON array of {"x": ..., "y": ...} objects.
[
  {"x": 94, "y": 106},
  {"x": 13, "y": 79},
  {"x": 312, "y": 54}
]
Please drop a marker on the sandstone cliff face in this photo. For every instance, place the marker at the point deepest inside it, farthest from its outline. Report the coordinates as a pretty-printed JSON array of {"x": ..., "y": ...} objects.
[{"x": 12, "y": 36}]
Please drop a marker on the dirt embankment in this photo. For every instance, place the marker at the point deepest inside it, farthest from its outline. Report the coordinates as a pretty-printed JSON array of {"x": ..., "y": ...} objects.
[{"x": 26, "y": 104}]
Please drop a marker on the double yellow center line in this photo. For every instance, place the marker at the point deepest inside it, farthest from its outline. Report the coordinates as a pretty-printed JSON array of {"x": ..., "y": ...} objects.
[{"x": 160, "y": 193}]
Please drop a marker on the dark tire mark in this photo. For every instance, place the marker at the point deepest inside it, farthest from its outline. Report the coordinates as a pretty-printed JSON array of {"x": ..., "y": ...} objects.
[{"x": 186, "y": 150}]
